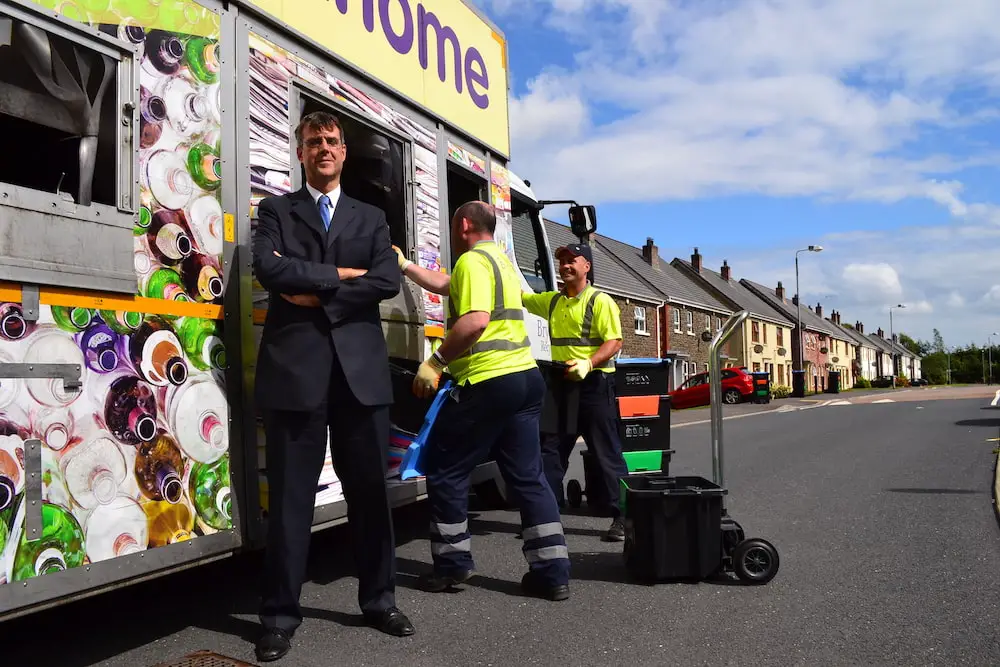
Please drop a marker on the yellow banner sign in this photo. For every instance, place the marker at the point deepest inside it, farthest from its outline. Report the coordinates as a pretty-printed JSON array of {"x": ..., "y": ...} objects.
[{"x": 439, "y": 53}]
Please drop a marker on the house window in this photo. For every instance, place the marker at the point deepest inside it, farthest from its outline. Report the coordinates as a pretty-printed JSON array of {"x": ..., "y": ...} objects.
[
  {"x": 764, "y": 327},
  {"x": 689, "y": 320},
  {"x": 676, "y": 314},
  {"x": 756, "y": 367},
  {"x": 781, "y": 337},
  {"x": 718, "y": 324},
  {"x": 706, "y": 368},
  {"x": 781, "y": 371},
  {"x": 755, "y": 331},
  {"x": 708, "y": 323},
  {"x": 640, "y": 320}
]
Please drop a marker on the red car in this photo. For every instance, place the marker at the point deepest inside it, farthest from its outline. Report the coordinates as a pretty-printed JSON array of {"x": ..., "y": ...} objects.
[{"x": 737, "y": 385}]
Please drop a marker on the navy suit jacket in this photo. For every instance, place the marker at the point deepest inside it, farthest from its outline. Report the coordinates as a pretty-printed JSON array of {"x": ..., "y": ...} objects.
[{"x": 298, "y": 345}]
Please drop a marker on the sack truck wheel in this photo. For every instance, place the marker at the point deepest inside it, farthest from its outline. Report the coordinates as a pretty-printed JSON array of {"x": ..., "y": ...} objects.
[
  {"x": 756, "y": 561},
  {"x": 574, "y": 494}
]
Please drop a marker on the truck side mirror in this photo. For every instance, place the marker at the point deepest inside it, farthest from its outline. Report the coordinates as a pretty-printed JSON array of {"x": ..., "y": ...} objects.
[{"x": 583, "y": 220}]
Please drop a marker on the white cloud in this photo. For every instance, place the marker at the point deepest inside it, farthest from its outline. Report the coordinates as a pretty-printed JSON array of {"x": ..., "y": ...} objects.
[
  {"x": 955, "y": 300},
  {"x": 872, "y": 282},
  {"x": 815, "y": 98}
]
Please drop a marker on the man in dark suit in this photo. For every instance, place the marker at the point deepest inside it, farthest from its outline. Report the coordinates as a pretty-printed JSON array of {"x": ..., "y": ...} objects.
[{"x": 327, "y": 261}]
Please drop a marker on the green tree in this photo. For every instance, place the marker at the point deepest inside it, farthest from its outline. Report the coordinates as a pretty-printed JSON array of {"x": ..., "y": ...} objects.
[{"x": 937, "y": 345}]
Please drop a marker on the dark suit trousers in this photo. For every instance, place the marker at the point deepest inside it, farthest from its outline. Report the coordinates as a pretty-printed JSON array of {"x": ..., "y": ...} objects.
[{"x": 296, "y": 447}]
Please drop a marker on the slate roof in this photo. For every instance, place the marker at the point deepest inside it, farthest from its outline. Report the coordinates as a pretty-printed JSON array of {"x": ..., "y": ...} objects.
[
  {"x": 810, "y": 320},
  {"x": 738, "y": 294},
  {"x": 609, "y": 275},
  {"x": 668, "y": 280},
  {"x": 880, "y": 343},
  {"x": 857, "y": 338}
]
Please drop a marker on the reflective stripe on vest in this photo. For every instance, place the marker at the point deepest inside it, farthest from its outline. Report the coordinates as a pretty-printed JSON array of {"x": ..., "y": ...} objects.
[
  {"x": 585, "y": 339},
  {"x": 499, "y": 313}
]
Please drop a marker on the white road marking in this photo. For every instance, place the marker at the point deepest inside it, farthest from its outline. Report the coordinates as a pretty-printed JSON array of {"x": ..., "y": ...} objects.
[
  {"x": 996, "y": 399},
  {"x": 840, "y": 402},
  {"x": 884, "y": 400}
]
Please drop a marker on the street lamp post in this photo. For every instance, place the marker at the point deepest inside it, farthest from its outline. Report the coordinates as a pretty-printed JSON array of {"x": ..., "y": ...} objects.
[
  {"x": 989, "y": 345},
  {"x": 798, "y": 305},
  {"x": 892, "y": 343}
]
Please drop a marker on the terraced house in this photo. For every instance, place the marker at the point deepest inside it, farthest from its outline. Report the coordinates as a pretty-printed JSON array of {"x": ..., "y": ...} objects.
[
  {"x": 764, "y": 342},
  {"x": 866, "y": 354},
  {"x": 689, "y": 308}
]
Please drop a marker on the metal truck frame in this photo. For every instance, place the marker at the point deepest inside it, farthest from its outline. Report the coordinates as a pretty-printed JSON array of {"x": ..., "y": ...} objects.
[{"x": 183, "y": 115}]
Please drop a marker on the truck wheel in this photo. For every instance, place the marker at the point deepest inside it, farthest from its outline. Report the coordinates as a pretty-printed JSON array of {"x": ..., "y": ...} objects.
[{"x": 574, "y": 494}]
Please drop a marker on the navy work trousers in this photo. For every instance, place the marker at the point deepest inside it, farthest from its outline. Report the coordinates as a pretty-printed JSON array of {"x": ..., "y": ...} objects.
[
  {"x": 498, "y": 416},
  {"x": 598, "y": 424}
]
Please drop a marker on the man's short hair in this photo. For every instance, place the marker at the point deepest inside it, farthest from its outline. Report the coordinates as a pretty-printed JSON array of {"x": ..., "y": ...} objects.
[
  {"x": 480, "y": 215},
  {"x": 318, "y": 120}
]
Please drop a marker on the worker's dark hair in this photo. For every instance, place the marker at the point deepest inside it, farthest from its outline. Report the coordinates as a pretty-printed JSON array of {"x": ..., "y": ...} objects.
[
  {"x": 480, "y": 215},
  {"x": 318, "y": 120}
]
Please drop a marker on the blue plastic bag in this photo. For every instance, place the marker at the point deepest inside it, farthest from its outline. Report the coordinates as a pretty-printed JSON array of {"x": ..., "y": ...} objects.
[{"x": 412, "y": 467}]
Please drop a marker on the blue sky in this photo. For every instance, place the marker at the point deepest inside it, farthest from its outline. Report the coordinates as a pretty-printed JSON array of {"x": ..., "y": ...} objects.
[{"x": 751, "y": 128}]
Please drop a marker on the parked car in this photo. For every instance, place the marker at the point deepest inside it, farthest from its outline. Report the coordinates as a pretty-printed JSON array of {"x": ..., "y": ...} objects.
[
  {"x": 737, "y": 385},
  {"x": 882, "y": 382},
  {"x": 919, "y": 382}
]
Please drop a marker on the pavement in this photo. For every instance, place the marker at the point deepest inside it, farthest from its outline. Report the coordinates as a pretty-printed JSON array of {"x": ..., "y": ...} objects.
[{"x": 882, "y": 515}]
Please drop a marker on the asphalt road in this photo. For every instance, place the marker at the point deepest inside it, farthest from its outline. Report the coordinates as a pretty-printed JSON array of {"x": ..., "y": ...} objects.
[{"x": 882, "y": 514}]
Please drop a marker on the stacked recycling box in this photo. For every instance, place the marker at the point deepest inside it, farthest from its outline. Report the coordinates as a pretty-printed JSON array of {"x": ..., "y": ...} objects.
[{"x": 644, "y": 413}]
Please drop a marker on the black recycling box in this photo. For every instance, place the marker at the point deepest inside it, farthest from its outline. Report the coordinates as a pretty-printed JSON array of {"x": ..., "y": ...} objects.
[
  {"x": 673, "y": 527},
  {"x": 642, "y": 377}
]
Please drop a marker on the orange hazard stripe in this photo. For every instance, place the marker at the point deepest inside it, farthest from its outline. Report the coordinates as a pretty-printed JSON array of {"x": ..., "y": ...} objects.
[{"x": 60, "y": 296}]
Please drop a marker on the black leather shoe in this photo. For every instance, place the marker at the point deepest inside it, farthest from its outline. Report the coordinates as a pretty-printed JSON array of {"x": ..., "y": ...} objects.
[
  {"x": 273, "y": 645},
  {"x": 534, "y": 586},
  {"x": 616, "y": 533},
  {"x": 392, "y": 622},
  {"x": 438, "y": 583}
]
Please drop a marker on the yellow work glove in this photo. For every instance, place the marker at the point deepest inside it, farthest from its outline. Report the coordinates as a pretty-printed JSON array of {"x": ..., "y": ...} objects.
[
  {"x": 578, "y": 369},
  {"x": 401, "y": 259},
  {"x": 425, "y": 385}
]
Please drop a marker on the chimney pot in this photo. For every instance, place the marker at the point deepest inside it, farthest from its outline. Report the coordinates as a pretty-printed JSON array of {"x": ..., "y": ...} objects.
[
  {"x": 780, "y": 292},
  {"x": 696, "y": 261},
  {"x": 819, "y": 310},
  {"x": 651, "y": 254},
  {"x": 726, "y": 273}
]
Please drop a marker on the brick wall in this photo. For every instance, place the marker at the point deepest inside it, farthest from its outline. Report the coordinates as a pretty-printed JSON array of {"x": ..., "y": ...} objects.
[
  {"x": 691, "y": 345},
  {"x": 634, "y": 344}
]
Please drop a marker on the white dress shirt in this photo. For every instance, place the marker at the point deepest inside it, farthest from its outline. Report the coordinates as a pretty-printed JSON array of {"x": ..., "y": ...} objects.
[{"x": 334, "y": 196}]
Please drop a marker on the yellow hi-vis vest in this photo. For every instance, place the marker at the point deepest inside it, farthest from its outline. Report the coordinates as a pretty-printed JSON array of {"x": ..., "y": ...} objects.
[
  {"x": 571, "y": 326},
  {"x": 485, "y": 280}
]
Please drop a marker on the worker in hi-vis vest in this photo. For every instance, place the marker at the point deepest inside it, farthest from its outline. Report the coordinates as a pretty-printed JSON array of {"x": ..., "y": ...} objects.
[
  {"x": 585, "y": 332},
  {"x": 494, "y": 408}
]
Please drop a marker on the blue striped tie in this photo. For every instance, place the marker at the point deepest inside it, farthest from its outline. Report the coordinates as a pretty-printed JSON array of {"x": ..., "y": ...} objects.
[{"x": 324, "y": 210}]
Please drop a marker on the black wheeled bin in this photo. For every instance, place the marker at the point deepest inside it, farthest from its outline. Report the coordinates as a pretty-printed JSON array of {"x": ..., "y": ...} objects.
[
  {"x": 642, "y": 377},
  {"x": 798, "y": 384},
  {"x": 761, "y": 387},
  {"x": 672, "y": 527}
]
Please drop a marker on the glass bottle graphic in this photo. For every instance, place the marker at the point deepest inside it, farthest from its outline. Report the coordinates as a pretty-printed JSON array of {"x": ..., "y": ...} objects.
[
  {"x": 205, "y": 166},
  {"x": 72, "y": 318},
  {"x": 202, "y": 343},
  {"x": 142, "y": 223},
  {"x": 156, "y": 354},
  {"x": 121, "y": 321},
  {"x": 13, "y": 326},
  {"x": 4, "y": 536},
  {"x": 206, "y": 224},
  {"x": 202, "y": 59},
  {"x": 188, "y": 108},
  {"x": 164, "y": 52},
  {"x": 198, "y": 415},
  {"x": 210, "y": 492},
  {"x": 11, "y": 473},
  {"x": 165, "y": 284},
  {"x": 130, "y": 410},
  {"x": 118, "y": 528},
  {"x": 202, "y": 277},
  {"x": 168, "y": 523},
  {"x": 59, "y": 548},
  {"x": 141, "y": 260},
  {"x": 168, "y": 180},
  {"x": 152, "y": 113},
  {"x": 159, "y": 468},
  {"x": 51, "y": 346},
  {"x": 55, "y": 427},
  {"x": 168, "y": 237},
  {"x": 93, "y": 471},
  {"x": 100, "y": 347}
]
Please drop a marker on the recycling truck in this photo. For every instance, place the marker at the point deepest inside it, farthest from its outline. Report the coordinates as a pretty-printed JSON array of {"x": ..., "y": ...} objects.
[{"x": 141, "y": 136}]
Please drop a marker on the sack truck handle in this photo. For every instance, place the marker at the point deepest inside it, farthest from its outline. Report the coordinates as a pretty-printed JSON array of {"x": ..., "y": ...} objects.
[{"x": 715, "y": 392}]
